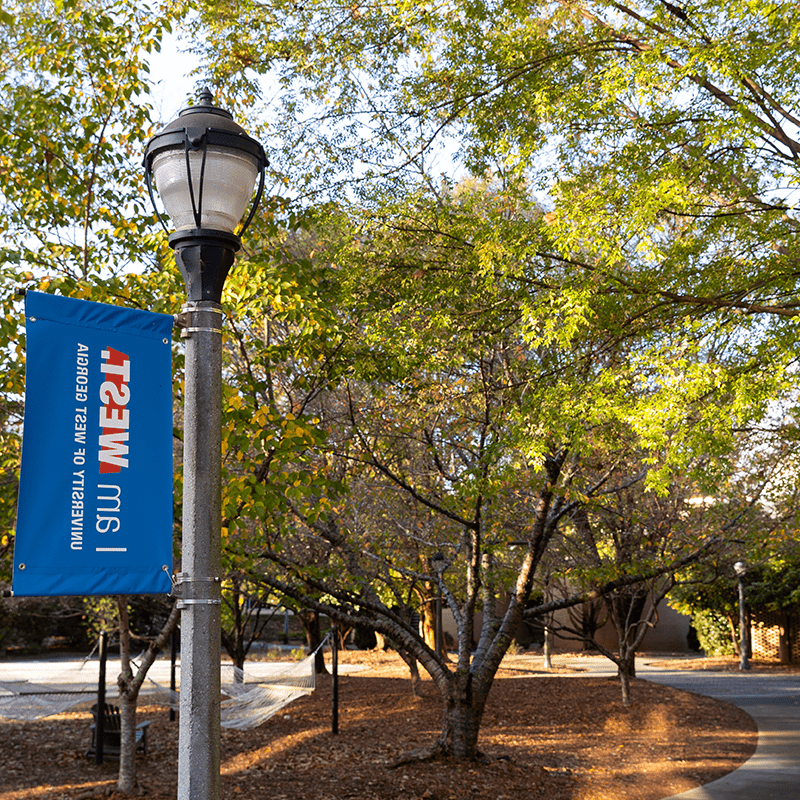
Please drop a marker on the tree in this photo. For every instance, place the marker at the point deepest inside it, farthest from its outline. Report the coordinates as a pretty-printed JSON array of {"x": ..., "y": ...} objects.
[
  {"x": 462, "y": 350},
  {"x": 473, "y": 400},
  {"x": 767, "y": 475},
  {"x": 282, "y": 329},
  {"x": 659, "y": 139},
  {"x": 130, "y": 684},
  {"x": 244, "y": 616},
  {"x": 625, "y": 530},
  {"x": 72, "y": 120}
]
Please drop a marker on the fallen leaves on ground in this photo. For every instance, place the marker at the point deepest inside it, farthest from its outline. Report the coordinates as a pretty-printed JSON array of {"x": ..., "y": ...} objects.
[{"x": 559, "y": 737}]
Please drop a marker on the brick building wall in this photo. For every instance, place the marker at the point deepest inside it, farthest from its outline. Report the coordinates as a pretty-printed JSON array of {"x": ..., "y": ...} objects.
[{"x": 775, "y": 635}]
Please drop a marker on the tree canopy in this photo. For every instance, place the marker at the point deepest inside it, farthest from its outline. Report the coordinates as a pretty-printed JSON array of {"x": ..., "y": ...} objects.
[{"x": 659, "y": 138}]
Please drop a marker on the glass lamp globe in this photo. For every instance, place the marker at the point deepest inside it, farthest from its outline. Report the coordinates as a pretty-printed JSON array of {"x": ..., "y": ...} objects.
[{"x": 205, "y": 168}]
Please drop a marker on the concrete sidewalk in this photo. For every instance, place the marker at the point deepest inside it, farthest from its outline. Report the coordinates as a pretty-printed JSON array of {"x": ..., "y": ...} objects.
[{"x": 772, "y": 700}]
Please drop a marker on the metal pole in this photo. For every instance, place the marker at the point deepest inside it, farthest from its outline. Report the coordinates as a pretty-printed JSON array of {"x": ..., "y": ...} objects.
[
  {"x": 199, "y": 722},
  {"x": 744, "y": 638},
  {"x": 173, "y": 657},
  {"x": 335, "y": 671},
  {"x": 438, "y": 632},
  {"x": 99, "y": 720},
  {"x": 548, "y": 637}
]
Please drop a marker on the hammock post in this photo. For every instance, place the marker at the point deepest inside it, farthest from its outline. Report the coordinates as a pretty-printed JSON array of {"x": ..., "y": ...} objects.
[
  {"x": 101, "y": 700},
  {"x": 335, "y": 672}
]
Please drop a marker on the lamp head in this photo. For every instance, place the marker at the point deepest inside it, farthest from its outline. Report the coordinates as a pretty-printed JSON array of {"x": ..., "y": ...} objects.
[{"x": 205, "y": 167}]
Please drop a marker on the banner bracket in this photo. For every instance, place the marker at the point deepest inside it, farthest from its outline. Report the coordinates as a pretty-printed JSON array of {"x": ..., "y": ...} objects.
[
  {"x": 183, "y": 577},
  {"x": 174, "y": 591},
  {"x": 198, "y": 602},
  {"x": 183, "y": 321}
]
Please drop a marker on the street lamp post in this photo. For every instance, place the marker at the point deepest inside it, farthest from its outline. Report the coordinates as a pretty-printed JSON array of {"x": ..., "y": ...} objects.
[
  {"x": 205, "y": 168},
  {"x": 744, "y": 634}
]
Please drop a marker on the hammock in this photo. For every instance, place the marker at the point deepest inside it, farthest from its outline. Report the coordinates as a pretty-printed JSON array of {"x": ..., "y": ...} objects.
[
  {"x": 253, "y": 700},
  {"x": 29, "y": 701},
  {"x": 253, "y": 696}
]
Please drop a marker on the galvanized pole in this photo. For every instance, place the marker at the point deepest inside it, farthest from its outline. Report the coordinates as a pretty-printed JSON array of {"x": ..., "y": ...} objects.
[
  {"x": 206, "y": 136},
  {"x": 740, "y": 568},
  {"x": 199, "y": 731},
  {"x": 438, "y": 631}
]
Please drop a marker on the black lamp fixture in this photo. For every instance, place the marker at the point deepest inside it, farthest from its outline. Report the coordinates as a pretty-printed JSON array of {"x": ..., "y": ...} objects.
[{"x": 205, "y": 168}]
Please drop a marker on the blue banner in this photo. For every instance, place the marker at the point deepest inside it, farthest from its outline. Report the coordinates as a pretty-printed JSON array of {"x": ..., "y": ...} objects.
[{"x": 95, "y": 499}]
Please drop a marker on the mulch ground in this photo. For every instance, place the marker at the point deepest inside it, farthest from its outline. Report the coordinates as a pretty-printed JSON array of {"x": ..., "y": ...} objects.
[{"x": 544, "y": 735}]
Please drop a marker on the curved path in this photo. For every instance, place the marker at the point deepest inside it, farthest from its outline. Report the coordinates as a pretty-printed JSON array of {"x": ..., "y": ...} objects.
[{"x": 772, "y": 700}]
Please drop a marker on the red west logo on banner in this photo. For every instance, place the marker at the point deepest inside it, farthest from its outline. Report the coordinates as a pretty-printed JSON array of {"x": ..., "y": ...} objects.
[{"x": 114, "y": 415}]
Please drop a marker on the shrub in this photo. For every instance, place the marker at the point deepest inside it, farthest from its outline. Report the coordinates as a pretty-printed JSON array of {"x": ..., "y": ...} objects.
[{"x": 713, "y": 632}]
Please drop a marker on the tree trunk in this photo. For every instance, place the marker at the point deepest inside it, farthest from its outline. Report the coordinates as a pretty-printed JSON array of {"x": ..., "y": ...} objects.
[
  {"x": 413, "y": 670},
  {"x": 464, "y": 713},
  {"x": 126, "y": 779},
  {"x": 548, "y": 662},
  {"x": 129, "y": 686},
  {"x": 428, "y": 614},
  {"x": 733, "y": 625},
  {"x": 625, "y": 685},
  {"x": 626, "y": 669}
]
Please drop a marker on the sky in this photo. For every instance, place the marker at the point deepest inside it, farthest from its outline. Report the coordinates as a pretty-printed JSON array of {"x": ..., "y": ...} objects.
[{"x": 170, "y": 71}]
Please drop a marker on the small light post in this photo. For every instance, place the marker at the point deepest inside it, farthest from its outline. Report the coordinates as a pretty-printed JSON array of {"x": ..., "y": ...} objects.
[
  {"x": 438, "y": 563},
  {"x": 744, "y": 634},
  {"x": 205, "y": 168}
]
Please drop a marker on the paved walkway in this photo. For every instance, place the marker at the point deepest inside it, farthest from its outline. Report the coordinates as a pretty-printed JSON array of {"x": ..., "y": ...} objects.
[{"x": 773, "y": 701}]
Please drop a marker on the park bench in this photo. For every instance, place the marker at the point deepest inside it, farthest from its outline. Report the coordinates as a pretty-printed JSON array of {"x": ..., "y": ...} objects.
[{"x": 111, "y": 732}]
